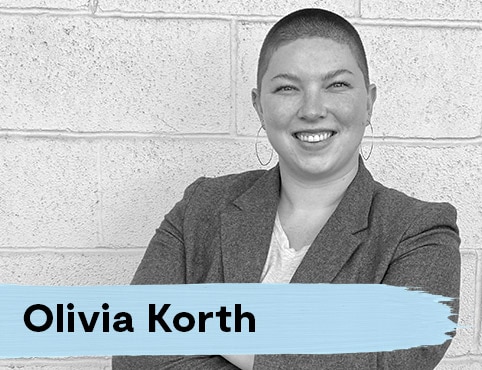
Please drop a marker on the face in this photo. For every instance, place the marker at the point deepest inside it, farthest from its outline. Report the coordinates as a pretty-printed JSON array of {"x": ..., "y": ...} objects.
[{"x": 314, "y": 106}]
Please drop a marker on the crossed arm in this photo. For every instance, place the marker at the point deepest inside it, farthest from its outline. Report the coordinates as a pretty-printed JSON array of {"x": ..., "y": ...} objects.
[{"x": 427, "y": 257}]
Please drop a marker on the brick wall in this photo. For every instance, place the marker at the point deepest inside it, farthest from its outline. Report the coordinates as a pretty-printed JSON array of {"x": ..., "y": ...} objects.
[{"x": 110, "y": 108}]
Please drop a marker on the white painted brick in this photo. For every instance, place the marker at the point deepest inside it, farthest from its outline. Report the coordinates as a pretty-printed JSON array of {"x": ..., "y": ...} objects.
[
  {"x": 250, "y": 36},
  {"x": 52, "y": 4},
  {"x": 421, "y": 74},
  {"x": 115, "y": 267},
  {"x": 48, "y": 195},
  {"x": 463, "y": 341},
  {"x": 427, "y": 80},
  {"x": 464, "y": 363},
  {"x": 423, "y": 9},
  {"x": 451, "y": 174},
  {"x": 98, "y": 74},
  {"x": 71, "y": 363},
  {"x": 251, "y": 7},
  {"x": 143, "y": 179}
]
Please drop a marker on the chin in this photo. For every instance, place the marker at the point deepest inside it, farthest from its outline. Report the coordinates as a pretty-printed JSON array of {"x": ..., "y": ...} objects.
[
  {"x": 315, "y": 171},
  {"x": 332, "y": 168}
]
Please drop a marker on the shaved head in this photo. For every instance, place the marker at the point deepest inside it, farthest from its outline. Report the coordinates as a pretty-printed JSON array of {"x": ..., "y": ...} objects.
[{"x": 307, "y": 23}]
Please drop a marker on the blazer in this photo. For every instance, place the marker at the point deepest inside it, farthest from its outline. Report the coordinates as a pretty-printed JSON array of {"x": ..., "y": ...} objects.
[{"x": 221, "y": 230}]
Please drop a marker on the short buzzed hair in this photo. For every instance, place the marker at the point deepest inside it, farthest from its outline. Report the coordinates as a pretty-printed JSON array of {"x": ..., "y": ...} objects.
[{"x": 307, "y": 23}]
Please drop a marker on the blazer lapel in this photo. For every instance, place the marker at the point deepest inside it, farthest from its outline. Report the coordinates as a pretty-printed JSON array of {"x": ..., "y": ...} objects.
[
  {"x": 246, "y": 228},
  {"x": 337, "y": 241}
]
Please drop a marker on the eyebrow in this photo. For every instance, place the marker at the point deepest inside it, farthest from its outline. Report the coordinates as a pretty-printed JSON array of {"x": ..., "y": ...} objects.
[{"x": 327, "y": 76}]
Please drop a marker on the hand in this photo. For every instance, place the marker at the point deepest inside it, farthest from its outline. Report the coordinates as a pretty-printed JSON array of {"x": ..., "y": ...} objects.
[{"x": 244, "y": 362}]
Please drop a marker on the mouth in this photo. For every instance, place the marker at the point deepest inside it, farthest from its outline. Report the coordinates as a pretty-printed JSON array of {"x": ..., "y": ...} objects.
[{"x": 313, "y": 137}]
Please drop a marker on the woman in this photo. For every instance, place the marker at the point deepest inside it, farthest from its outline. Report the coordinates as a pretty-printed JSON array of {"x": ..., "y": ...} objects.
[{"x": 318, "y": 216}]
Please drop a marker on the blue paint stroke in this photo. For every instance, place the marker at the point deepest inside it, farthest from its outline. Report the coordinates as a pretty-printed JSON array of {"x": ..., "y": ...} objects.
[{"x": 290, "y": 319}]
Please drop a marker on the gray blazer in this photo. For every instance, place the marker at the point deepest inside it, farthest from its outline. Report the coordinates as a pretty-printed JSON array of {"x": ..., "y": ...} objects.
[{"x": 220, "y": 232}]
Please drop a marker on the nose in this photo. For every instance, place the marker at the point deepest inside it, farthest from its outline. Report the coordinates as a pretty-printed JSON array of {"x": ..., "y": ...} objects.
[{"x": 312, "y": 106}]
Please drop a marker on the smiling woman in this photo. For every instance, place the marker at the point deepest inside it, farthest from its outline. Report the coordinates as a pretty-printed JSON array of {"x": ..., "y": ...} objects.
[
  {"x": 316, "y": 217},
  {"x": 314, "y": 106}
]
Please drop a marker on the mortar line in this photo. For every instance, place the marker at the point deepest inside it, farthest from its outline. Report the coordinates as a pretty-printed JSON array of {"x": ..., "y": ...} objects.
[
  {"x": 100, "y": 198},
  {"x": 463, "y": 359},
  {"x": 55, "y": 360},
  {"x": 428, "y": 23},
  {"x": 93, "y": 6},
  {"x": 67, "y": 134},
  {"x": 164, "y": 15},
  {"x": 46, "y": 11},
  {"x": 71, "y": 250},
  {"x": 359, "y": 8},
  {"x": 234, "y": 82},
  {"x": 424, "y": 23},
  {"x": 61, "y": 134},
  {"x": 428, "y": 140}
]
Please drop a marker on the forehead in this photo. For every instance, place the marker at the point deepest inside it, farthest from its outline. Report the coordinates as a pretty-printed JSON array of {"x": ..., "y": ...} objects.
[{"x": 313, "y": 53}]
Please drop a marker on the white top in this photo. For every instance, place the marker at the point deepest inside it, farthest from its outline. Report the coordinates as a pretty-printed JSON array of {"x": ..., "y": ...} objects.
[{"x": 282, "y": 260}]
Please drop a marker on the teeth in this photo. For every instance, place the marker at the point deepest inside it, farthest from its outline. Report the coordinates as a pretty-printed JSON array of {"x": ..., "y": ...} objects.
[{"x": 314, "y": 138}]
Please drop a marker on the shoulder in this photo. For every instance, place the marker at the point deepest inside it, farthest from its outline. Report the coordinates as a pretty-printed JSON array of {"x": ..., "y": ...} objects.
[
  {"x": 232, "y": 183},
  {"x": 421, "y": 239},
  {"x": 397, "y": 208},
  {"x": 205, "y": 198},
  {"x": 222, "y": 189}
]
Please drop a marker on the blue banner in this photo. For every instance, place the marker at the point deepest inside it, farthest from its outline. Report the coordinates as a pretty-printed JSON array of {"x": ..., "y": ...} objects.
[{"x": 39, "y": 321}]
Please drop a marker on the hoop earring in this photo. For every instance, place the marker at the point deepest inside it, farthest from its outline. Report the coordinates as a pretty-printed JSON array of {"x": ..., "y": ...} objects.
[
  {"x": 366, "y": 157},
  {"x": 256, "y": 150}
]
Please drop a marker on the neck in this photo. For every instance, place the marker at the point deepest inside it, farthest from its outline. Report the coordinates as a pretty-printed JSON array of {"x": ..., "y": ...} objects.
[{"x": 320, "y": 193}]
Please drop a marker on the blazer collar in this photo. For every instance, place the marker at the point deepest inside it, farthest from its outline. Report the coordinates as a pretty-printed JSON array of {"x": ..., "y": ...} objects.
[
  {"x": 247, "y": 225},
  {"x": 339, "y": 238}
]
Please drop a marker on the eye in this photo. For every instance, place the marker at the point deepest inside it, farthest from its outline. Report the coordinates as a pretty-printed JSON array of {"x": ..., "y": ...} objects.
[
  {"x": 340, "y": 84},
  {"x": 285, "y": 88}
]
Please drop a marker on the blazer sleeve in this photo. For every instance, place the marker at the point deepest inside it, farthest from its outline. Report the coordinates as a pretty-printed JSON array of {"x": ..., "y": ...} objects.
[
  {"x": 427, "y": 257},
  {"x": 164, "y": 263}
]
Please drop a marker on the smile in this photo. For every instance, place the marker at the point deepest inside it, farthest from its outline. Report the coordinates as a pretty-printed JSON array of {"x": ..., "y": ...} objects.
[{"x": 314, "y": 137}]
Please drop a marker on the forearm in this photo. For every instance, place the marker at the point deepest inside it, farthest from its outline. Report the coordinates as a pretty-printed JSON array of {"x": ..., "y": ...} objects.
[
  {"x": 171, "y": 363},
  {"x": 422, "y": 358}
]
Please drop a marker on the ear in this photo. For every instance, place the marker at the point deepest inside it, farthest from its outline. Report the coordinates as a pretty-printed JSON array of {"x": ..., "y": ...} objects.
[
  {"x": 256, "y": 99},
  {"x": 371, "y": 97}
]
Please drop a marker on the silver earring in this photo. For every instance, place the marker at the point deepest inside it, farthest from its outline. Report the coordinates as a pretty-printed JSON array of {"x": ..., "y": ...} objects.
[
  {"x": 366, "y": 157},
  {"x": 257, "y": 152}
]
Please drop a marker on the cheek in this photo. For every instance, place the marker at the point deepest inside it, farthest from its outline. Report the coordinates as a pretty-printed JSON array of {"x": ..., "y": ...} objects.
[
  {"x": 351, "y": 111},
  {"x": 275, "y": 113}
]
